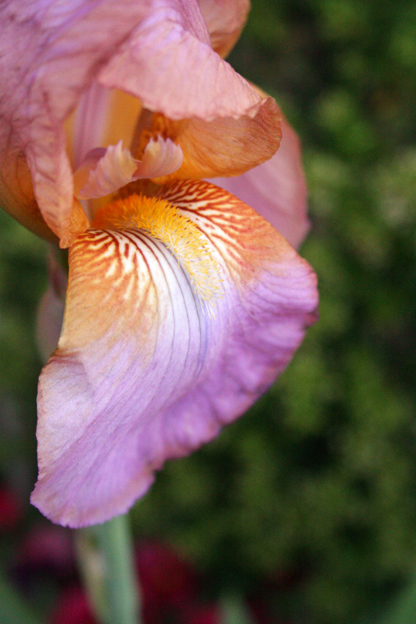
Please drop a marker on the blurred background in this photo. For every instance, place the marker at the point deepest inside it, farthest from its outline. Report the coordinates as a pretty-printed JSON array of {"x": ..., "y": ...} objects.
[{"x": 304, "y": 511}]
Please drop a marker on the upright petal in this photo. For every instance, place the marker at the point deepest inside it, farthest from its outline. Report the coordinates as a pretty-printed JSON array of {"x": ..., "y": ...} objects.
[
  {"x": 90, "y": 119},
  {"x": 277, "y": 188},
  {"x": 105, "y": 171},
  {"x": 147, "y": 370},
  {"x": 52, "y": 52},
  {"x": 225, "y": 20}
]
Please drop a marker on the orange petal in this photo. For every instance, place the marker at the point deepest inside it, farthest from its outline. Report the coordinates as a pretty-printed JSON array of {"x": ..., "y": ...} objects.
[
  {"x": 17, "y": 197},
  {"x": 223, "y": 147}
]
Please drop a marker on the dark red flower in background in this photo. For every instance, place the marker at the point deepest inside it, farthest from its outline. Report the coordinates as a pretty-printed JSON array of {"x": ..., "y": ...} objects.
[
  {"x": 72, "y": 608},
  {"x": 10, "y": 509}
]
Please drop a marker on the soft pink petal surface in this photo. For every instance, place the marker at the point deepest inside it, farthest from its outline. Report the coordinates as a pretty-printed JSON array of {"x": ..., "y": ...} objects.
[
  {"x": 277, "y": 188},
  {"x": 170, "y": 65},
  {"x": 144, "y": 371},
  {"x": 51, "y": 53}
]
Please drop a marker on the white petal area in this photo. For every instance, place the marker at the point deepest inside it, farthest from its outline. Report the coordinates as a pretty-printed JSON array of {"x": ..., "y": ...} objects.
[
  {"x": 142, "y": 373},
  {"x": 106, "y": 170}
]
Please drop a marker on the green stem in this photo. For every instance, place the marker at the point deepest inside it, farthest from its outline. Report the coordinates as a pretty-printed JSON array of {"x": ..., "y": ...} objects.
[
  {"x": 233, "y": 610},
  {"x": 106, "y": 557}
]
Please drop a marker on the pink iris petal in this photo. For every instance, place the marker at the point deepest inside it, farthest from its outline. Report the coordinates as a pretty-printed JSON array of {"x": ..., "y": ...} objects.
[
  {"x": 51, "y": 53},
  {"x": 165, "y": 41},
  {"x": 277, "y": 188},
  {"x": 143, "y": 373},
  {"x": 106, "y": 170}
]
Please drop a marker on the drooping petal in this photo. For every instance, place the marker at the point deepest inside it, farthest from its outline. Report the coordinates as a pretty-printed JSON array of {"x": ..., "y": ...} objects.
[
  {"x": 277, "y": 188},
  {"x": 225, "y": 20},
  {"x": 52, "y": 52},
  {"x": 144, "y": 370},
  {"x": 106, "y": 170}
]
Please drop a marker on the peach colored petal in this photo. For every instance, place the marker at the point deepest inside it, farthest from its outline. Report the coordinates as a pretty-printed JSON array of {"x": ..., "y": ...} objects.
[
  {"x": 225, "y": 20},
  {"x": 142, "y": 373},
  {"x": 277, "y": 189},
  {"x": 17, "y": 197},
  {"x": 223, "y": 147},
  {"x": 78, "y": 223}
]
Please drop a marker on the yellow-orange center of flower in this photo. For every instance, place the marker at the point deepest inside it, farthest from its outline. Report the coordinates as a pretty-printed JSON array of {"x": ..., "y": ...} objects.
[{"x": 164, "y": 222}]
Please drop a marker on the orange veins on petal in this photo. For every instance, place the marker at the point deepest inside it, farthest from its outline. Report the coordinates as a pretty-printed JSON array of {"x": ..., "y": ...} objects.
[{"x": 164, "y": 222}]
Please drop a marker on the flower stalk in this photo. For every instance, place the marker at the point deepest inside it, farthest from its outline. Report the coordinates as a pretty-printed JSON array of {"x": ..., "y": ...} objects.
[{"x": 105, "y": 558}]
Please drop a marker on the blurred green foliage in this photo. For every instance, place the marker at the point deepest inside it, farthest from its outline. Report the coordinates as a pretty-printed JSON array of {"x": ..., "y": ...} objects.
[{"x": 317, "y": 482}]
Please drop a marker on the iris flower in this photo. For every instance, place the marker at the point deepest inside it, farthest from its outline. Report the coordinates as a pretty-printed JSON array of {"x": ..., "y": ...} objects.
[{"x": 183, "y": 303}]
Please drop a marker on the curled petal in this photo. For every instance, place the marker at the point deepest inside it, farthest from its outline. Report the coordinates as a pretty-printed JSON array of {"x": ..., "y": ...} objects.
[
  {"x": 277, "y": 188},
  {"x": 104, "y": 171},
  {"x": 225, "y": 20},
  {"x": 51, "y": 53},
  {"x": 142, "y": 372},
  {"x": 223, "y": 147},
  {"x": 169, "y": 64}
]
